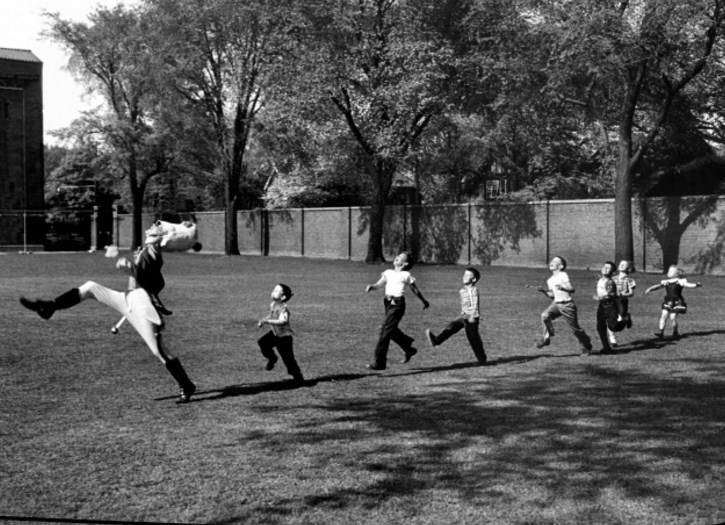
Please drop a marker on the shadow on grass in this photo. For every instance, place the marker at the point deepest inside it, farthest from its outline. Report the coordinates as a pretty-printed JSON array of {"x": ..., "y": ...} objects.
[
  {"x": 515, "y": 359},
  {"x": 703, "y": 333},
  {"x": 600, "y": 437},
  {"x": 655, "y": 343},
  {"x": 259, "y": 388},
  {"x": 279, "y": 386}
]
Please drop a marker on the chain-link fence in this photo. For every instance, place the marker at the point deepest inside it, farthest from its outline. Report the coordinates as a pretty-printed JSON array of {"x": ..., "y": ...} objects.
[{"x": 56, "y": 230}]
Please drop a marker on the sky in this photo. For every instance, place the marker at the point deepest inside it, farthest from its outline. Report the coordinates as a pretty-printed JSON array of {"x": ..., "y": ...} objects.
[{"x": 20, "y": 26}]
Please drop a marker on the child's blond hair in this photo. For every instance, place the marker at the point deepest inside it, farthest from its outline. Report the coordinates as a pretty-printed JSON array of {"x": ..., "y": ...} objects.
[
  {"x": 625, "y": 266},
  {"x": 674, "y": 272}
]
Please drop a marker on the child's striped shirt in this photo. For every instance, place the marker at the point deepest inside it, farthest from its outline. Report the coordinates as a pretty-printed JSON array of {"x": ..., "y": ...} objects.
[{"x": 469, "y": 301}]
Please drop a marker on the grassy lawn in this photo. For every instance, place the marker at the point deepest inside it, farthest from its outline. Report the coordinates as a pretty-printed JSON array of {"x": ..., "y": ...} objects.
[{"x": 90, "y": 430}]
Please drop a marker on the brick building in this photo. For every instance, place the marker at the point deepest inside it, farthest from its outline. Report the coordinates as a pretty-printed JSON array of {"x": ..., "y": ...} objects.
[{"x": 21, "y": 150}]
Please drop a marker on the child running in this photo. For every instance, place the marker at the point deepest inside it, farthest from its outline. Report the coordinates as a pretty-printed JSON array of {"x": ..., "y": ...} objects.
[
  {"x": 280, "y": 334},
  {"x": 674, "y": 304},
  {"x": 468, "y": 319},
  {"x": 608, "y": 311},
  {"x": 559, "y": 289},
  {"x": 395, "y": 280},
  {"x": 625, "y": 289}
]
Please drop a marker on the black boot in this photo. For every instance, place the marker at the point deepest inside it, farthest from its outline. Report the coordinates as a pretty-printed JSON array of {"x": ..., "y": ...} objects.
[
  {"x": 177, "y": 372},
  {"x": 156, "y": 301},
  {"x": 46, "y": 309}
]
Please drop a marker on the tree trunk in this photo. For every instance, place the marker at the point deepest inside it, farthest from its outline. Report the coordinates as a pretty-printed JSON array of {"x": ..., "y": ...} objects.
[
  {"x": 383, "y": 181},
  {"x": 137, "y": 217},
  {"x": 231, "y": 243},
  {"x": 377, "y": 221},
  {"x": 137, "y": 192},
  {"x": 623, "y": 236},
  {"x": 231, "y": 193}
]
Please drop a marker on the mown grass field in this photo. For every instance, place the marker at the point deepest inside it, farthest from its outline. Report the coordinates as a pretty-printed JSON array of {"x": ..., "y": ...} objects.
[{"x": 89, "y": 428}]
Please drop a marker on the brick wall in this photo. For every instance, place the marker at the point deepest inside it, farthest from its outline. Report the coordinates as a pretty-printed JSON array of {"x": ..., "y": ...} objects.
[
  {"x": 494, "y": 233},
  {"x": 21, "y": 153}
]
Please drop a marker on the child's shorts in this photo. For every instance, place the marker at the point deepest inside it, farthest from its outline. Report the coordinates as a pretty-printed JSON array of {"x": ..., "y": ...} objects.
[{"x": 676, "y": 306}]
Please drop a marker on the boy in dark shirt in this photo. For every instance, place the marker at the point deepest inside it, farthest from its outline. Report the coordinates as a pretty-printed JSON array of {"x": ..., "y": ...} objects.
[{"x": 280, "y": 334}]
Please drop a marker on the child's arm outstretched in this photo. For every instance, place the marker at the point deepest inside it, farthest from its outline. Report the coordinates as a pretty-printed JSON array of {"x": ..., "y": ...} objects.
[
  {"x": 548, "y": 293},
  {"x": 125, "y": 265},
  {"x": 654, "y": 287},
  {"x": 282, "y": 319},
  {"x": 416, "y": 292},
  {"x": 691, "y": 285},
  {"x": 375, "y": 286}
]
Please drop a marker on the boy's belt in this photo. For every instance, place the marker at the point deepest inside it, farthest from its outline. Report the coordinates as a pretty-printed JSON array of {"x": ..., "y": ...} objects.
[
  {"x": 394, "y": 300},
  {"x": 564, "y": 302}
]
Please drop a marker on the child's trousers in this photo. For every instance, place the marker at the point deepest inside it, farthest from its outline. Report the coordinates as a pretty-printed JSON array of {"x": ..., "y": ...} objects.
[
  {"x": 394, "y": 312},
  {"x": 568, "y": 311},
  {"x": 474, "y": 337},
  {"x": 267, "y": 344},
  {"x": 607, "y": 313}
]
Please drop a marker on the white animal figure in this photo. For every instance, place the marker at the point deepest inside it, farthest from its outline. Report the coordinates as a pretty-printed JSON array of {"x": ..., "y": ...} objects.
[{"x": 178, "y": 237}]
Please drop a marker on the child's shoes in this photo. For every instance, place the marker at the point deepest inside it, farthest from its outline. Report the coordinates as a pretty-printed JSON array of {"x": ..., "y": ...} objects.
[
  {"x": 270, "y": 363},
  {"x": 409, "y": 354},
  {"x": 430, "y": 337},
  {"x": 543, "y": 343}
]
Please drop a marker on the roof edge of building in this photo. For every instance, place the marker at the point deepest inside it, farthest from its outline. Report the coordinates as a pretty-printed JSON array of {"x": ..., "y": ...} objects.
[{"x": 18, "y": 55}]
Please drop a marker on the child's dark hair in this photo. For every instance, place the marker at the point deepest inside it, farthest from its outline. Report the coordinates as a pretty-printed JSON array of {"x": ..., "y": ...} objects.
[
  {"x": 476, "y": 273},
  {"x": 612, "y": 264},
  {"x": 409, "y": 261},
  {"x": 563, "y": 261},
  {"x": 287, "y": 291}
]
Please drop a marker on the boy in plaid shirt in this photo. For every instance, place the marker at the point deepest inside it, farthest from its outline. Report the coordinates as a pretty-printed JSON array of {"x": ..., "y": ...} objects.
[
  {"x": 609, "y": 316},
  {"x": 468, "y": 319},
  {"x": 625, "y": 289}
]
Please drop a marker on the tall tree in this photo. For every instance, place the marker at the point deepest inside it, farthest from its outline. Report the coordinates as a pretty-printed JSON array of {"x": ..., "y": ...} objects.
[
  {"x": 381, "y": 69},
  {"x": 223, "y": 57},
  {"x": 111, "y": 55},
  {"x": 623, "y": 63}
]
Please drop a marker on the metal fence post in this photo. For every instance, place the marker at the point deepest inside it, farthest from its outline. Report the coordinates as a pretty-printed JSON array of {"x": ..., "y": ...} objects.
[
  {"x": 302, "y": 232},
  {"x": 94, "y": 229},
  {"x": 470, "y": 232},
  {"x": 548, "y": 234},
  {"x": 405, "y": 227},
  {"x": 643, "y": 218},
  {"x": 117, "y": 226}
]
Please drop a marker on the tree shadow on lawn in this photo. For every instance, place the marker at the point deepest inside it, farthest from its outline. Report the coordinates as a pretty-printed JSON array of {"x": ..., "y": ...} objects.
[{"x": 593, "y": 441}]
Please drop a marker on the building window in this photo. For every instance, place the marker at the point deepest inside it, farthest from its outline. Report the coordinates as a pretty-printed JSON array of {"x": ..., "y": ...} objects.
[{"x": 496, "y": 187}]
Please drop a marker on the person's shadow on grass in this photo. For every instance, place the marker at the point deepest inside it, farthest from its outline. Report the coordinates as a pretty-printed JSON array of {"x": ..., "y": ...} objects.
[
  {"x": 474, "y": 364},
  {"x": 270, "y": 386},
  {"x": 656, "y": 343}
]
